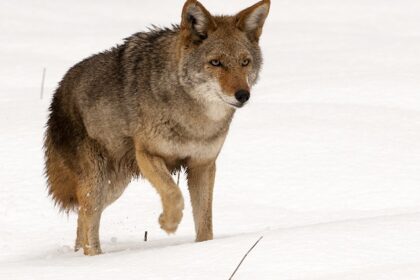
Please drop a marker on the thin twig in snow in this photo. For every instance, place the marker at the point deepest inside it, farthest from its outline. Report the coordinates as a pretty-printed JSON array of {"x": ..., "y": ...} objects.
[
  {"x": 250, "y": 249},
  {"x": 44, "y": 70}
]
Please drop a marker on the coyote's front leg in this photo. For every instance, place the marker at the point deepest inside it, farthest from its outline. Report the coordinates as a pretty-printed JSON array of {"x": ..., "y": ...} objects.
[
  {"x": 154, "y": 169},
  {"x": 200, "y": 185}
]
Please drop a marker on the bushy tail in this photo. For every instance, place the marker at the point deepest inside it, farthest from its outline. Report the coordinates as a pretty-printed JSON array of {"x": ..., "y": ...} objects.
[
  {"x": 61, "y": 181},
  {"x": 62, "y": 138}
]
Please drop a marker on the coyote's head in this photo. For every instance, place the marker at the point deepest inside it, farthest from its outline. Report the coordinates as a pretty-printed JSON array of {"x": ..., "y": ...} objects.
[{"x": 219, "y": 56}]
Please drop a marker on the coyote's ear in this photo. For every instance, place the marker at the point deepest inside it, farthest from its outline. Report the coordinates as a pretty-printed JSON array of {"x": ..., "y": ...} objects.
[
  {"x": 196, "y": 22},
  {"x": 251, "y": 20}
]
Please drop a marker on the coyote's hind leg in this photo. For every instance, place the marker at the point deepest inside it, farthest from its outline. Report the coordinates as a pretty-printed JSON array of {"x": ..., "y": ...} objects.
[{"x": 90, "y": 210}]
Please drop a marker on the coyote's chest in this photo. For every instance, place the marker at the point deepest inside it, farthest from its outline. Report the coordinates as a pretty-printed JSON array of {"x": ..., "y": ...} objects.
[
  {"x": 196, "y": 137},
  {"x": 192, "y": 149}
]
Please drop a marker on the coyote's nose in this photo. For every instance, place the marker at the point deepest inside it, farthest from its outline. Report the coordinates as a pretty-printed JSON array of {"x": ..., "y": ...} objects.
[{"x": 242, "y": 95}]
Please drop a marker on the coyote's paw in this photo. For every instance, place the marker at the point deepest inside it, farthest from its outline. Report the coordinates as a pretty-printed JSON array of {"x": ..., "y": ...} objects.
[
  {"x": 170, "y": 224},
  {"x": 172, "y": 216},
  {"x": 92, "y": 250}
]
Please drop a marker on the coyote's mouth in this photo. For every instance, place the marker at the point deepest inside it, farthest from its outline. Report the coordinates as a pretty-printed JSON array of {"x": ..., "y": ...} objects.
[
  {"x": 231, "y": 104},
  {"x": 239, "y": 105}
]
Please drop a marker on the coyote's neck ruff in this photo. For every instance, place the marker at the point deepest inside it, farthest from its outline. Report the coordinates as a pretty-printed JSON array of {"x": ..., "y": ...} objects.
[{"x": 162, "y": 100}]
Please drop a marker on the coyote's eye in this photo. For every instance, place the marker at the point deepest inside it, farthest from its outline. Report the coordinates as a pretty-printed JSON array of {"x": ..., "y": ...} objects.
[
  {"x": 244, "y": 62},
  {"x": 215, "y": 62}
]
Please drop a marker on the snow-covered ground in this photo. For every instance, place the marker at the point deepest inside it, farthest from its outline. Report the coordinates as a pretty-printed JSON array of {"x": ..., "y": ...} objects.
[{"x": 324, "y": 162}]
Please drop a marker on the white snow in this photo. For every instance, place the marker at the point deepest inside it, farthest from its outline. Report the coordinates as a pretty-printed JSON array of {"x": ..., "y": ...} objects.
[{"x": 324, "y": 162}]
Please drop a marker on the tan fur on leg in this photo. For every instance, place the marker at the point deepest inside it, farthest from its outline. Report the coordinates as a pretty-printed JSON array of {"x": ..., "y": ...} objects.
[
  {"x": 90, "y": 232},
  {"x": 80, "y": 237},
  {"x": 154, "y": 169},
  {"x": 200, "y": 185},
  {"x": 90, "y": 211}
]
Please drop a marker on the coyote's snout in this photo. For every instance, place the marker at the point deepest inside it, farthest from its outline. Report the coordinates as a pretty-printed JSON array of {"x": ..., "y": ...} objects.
[{"x": 160, "y": 102}]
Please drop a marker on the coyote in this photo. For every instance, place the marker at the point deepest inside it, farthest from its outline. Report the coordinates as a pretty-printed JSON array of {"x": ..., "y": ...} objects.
[{"x": 160, "y": 102}]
